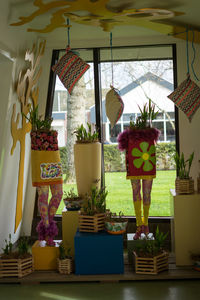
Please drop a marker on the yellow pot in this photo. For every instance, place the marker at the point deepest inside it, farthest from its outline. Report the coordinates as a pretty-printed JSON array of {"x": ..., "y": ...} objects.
[{"x": 87, "y": 160}]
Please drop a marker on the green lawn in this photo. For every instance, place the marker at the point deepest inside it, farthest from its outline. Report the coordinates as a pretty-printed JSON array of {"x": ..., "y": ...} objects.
[{"x": 120, "y": 193}]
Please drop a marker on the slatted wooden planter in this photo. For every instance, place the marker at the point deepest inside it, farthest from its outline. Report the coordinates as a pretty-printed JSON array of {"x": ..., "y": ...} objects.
[
  {"x": 65, "y": 266},
  {"x": 148, "y": 265},
  {"x": 184, "y": 186},
  {"x": 91, "y": 223},
  {"x": 16, "y": 267}
]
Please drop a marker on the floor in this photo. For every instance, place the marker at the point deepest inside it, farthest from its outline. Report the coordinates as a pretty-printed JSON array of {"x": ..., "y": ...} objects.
[{"x": 139, "y": 290}]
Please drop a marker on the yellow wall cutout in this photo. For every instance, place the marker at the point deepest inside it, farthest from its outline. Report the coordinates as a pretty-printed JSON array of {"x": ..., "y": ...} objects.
[
  {"x": 98, "y": 13},
  {"x": 27, "y": 93}
]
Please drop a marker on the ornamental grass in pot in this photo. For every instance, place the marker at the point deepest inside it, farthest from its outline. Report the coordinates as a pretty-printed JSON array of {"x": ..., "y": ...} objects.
[
  {"x": 64, "y": 261},
  {"x": 184, "y": 184},
  {"x": 92, "y": 214},
  {"x": 18, "y": 262},
  {"x": 87, "y": 159},
  {"x": 150, "y": 255}
]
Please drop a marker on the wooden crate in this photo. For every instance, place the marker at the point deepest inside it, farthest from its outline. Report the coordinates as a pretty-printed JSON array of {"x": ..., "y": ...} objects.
[
  {"x": 154, "y": 265},
  {"x": 16, "y": 267},
  {"x": 91, "y": 223},
  {"x": 65, "y": 266},
  {"x": 184, "y": 186}
]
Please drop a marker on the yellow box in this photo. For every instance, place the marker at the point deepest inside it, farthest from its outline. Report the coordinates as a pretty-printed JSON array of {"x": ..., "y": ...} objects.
[
  {"x": 45, "y": 257},
  {"x": 69, "y": 228}
]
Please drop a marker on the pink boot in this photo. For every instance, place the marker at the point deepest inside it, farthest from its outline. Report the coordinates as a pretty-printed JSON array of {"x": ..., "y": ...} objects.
[
  {"x": 138, "y": 233},
  {"x": 145, "y": 229}
]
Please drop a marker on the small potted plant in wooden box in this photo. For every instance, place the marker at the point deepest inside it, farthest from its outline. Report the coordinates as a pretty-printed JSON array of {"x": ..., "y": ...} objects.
[
  {"x": 72, "y": 200},
  {"x": 64, "y": 262},
  {"x": 184, "y": 184},
  {"x": 17, "y": 263},
  {"x": 150, "y": 257},
  {"x": 92, "y": 215},
  {"x": 115, "y": 224}
]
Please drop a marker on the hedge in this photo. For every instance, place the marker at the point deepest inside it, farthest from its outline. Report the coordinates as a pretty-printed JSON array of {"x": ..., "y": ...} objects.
[{"x": 114, "y": 160}]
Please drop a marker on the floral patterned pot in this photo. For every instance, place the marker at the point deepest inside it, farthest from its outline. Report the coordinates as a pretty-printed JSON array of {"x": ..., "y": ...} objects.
[{"x": 113, "y": 227}]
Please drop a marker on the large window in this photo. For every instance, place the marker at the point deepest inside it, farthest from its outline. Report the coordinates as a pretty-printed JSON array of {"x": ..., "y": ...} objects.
[{"x": 139, "y": 73}]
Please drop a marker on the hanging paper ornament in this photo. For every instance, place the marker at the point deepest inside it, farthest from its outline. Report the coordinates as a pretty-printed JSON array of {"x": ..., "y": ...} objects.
[
  {"x": 114, "y": 103},
  {"x": 187, "y": 97},
  {"x": 114, "y": 106},
  {"x": 70, "y": 68}
]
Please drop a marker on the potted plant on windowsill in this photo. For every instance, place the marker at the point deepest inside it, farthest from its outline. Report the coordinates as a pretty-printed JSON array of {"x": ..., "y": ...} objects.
[
  {"x": 150, "y": 256},
  {"x": 115, "y": 224},
  {"x": 64, "y": 262},
  {"x": 72, "y": 201},
  {"x": 87, "y": 159},
  {"x": 184, "y": 184},
  {"x": 17, "y": 263},
  {"x": 92, "y": 214}
]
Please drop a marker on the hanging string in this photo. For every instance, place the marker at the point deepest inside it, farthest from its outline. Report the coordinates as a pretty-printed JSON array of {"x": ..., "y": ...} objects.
[
  {"x": 194, "y": 56},
  {"x": 187, "y": 53},
  {"x": 111, "y": 52},
  {"x": 68, "y": 33}
]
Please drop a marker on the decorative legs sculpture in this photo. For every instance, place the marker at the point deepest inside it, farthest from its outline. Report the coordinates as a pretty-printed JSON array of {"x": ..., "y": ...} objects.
[
  {"x": 47, "y": 228},
  {"x": 141, "y": 222}
]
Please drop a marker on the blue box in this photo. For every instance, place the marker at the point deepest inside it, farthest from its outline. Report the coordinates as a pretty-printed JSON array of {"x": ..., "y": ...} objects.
[{"x": 98, "y": 253}]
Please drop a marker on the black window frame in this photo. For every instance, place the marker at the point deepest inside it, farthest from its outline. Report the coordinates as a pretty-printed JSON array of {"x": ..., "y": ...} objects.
[{"x": 98, "y": 106}]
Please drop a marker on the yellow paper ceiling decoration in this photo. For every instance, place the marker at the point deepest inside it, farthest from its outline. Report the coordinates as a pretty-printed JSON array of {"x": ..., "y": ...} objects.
[{"x": 97, "y": 13}]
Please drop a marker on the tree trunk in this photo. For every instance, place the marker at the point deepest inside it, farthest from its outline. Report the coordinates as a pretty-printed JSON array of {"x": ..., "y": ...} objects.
[{"x": 75, "y": 117}]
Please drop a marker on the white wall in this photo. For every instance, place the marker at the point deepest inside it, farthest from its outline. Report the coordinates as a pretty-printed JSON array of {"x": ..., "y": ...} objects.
[
  {"x": 189, "y": 131},
  {"x": 13, "y": 44}
]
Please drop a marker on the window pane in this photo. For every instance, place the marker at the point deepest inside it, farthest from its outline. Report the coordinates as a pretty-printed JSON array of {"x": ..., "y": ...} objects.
[
  {"x": 137, "y": 81},
  {"x": 70, "y": 111}
]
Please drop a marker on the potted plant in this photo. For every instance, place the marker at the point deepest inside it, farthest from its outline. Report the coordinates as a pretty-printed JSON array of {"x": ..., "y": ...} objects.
[
  {"x": 64, "y": 262},
  {"x": 46, "y": 172},
  {"x": 184, "y": 184},
  {"x": 87, "y": 159},
  {"x": 115, "y": 224},
  {"x": 72, "y": 201},
  {"x": 139, "y": 143},
  {"x": 18, "y": 263},
  {"x": 196, "y": 260},
  {"x": 92, "y": 214},
  {"x": 150, "y": 256}
]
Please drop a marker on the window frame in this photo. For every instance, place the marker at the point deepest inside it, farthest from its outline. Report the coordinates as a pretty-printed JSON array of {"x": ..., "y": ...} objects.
[{"x": 98, "y": 106}]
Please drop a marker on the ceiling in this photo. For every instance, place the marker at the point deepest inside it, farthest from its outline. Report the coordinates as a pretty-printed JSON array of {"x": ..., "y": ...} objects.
[{"x": 85, "y": 22}]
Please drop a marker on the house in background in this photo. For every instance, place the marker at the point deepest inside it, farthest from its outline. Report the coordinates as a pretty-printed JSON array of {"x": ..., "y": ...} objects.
[{"x": 136, "y": 93}]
